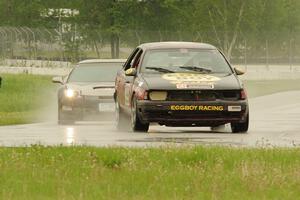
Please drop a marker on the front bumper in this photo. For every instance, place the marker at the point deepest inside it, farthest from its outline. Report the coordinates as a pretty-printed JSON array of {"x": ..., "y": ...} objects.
[
  {"x": 88, "y": 107},
  {"x": 200, "y": 113}
]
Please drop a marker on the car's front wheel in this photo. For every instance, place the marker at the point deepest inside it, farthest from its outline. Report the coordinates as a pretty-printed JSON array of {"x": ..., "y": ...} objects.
[
  {"x": 136, "y": 124},
  {"x": 241, "y": 127}
]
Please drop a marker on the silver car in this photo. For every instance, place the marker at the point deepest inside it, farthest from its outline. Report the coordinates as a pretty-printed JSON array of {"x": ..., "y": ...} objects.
[{"x": 87, "y": 92}]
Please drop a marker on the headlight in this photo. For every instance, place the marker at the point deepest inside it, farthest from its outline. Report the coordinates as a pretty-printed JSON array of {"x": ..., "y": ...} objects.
[
  {"x": 158, "y": 95},
  {"x": 70, "y": 93}
]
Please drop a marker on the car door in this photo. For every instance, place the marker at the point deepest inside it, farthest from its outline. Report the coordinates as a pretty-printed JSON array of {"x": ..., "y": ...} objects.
[
  {"x": 128, "y": 89},
  {"x": 122, "y": 78}
]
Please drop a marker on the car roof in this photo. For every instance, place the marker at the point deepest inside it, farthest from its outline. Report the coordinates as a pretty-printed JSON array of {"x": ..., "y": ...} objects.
[
  {"x": 102, "y": 61},
  {"x": 170, "y": 45}
]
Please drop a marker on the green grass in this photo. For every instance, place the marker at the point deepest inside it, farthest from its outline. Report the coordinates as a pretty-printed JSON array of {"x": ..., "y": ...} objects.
[
  {"x": 22, "y": 97},
  {"x": 149, "y": 173}
]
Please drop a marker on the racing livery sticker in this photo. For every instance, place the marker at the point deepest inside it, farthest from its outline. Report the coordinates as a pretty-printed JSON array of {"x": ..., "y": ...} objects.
[
  {"x": 189, "y": 80},
  {"x": 196, "y": 108}
]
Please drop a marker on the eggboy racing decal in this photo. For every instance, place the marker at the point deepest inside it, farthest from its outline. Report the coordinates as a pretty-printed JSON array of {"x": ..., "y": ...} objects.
[
  {"x": 196, "y": 108},
  {"x": 191, "y": 80}
]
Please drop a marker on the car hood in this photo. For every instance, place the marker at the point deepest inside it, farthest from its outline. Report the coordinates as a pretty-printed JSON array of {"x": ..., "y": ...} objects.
[
  {"x": 93, "y": 89},
  {"x": 192, "y": 81}
]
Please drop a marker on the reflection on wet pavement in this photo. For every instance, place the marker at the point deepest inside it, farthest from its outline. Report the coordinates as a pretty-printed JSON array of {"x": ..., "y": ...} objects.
[{"x": 70, "y": 136}]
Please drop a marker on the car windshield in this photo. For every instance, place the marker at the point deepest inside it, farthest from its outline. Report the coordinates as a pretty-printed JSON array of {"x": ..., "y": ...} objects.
[
  {"x": 95, "y": 72},
  {"x": 184, "y": 60}
]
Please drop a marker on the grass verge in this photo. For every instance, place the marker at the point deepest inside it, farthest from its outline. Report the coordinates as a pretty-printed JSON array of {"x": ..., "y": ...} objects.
[
  {"x": 23, "y": 96},
  {"x": 149, "y": 173}
]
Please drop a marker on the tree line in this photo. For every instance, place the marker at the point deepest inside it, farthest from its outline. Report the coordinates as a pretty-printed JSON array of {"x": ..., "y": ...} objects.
[{"x": 224, "y": 23}]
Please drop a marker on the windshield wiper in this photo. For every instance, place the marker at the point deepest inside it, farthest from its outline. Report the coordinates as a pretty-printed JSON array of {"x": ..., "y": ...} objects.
[
  {"x": 160, "y": 69},
  {"x": 196, "y": 69}
]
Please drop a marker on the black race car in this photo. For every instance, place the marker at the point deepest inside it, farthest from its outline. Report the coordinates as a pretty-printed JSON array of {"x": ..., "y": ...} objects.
[
  {"x": 87, "y": 92},
  {"x": 180, "y": 84}
]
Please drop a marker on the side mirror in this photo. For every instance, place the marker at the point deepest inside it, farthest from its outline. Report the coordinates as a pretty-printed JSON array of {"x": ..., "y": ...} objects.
[
  {"x": 57, "y": 79},
  {"x": 130, "y": 72},
  {"x": 239, "y": 71}
]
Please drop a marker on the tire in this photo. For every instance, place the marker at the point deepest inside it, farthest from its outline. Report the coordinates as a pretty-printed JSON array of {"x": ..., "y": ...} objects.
[
  {"x": 240, "y": 127},
  {"x": 62, "y": 119},
  {"x": 122, "y": 123},
  {"x": 136, "y": 124}
]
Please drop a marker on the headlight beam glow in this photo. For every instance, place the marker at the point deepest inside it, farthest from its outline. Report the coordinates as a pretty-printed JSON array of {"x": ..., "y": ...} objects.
[{"x": 70, "y": 93}]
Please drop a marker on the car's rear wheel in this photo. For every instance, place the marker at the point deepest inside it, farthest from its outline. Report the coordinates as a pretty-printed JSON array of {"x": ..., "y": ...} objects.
[
  {"x": 62, "y": 118},
  {"x": 121, "y": 121},
  {"x": 241, "y": 127},
  {"x": 136, "y": 124}
]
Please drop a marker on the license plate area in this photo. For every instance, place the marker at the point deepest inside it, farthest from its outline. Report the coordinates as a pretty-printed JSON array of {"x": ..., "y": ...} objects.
[
  {"x": 234, "y": 108},
  {"x": 106, "y": 107}
]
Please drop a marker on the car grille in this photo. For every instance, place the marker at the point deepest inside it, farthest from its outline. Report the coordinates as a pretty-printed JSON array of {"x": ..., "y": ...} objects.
[{"x": 203, "y": 95}]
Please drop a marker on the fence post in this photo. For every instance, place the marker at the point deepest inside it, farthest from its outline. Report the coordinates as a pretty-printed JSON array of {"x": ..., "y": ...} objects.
[
  {"x": 60, "y": 45},
  {"x": 5, "y": 42},
  {"x": 267, "y": 54},
  {"x": 245, "y": 55},
  {"x": 138, "y": 37},
  {"x": 51, "y": 40},
  {"x": 2, "y": 44},
  {"x": 9, "y": 41},
  {"x": 101, "y": 44},
  {"x": 291, "y": 54},
  {"x": 28, "y": 41},
  {"x": 160, "y": 36},
  {"x": 34, "y": 41},
  {"x": 12, "y": 43}
]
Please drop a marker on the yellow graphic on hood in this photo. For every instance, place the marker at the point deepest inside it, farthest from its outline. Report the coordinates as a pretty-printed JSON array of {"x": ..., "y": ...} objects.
[
  {"x": 177, "y": 78},
  {"x": 189, "y": 80}
]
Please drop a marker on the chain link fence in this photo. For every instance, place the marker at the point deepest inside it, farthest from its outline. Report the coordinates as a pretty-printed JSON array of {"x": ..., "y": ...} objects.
[{"x": 72, "y": 45}]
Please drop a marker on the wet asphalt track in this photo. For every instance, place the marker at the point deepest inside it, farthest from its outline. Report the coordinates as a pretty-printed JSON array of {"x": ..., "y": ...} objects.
[{"x": 275, "y": 121}]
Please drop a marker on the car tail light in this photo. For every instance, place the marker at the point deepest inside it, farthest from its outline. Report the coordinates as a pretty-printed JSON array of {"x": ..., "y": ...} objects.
[
  {"x": 141, "y": 94},
  {"x": 243, "y": 94}
]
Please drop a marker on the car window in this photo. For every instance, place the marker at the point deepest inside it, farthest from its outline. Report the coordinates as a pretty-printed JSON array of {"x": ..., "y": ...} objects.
[
  {"x": 131, "y": 59},
  {"x": 185, "y": 60},
  {"x": 95, "y": 72},
  {"x": 137, "y": 59}
]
